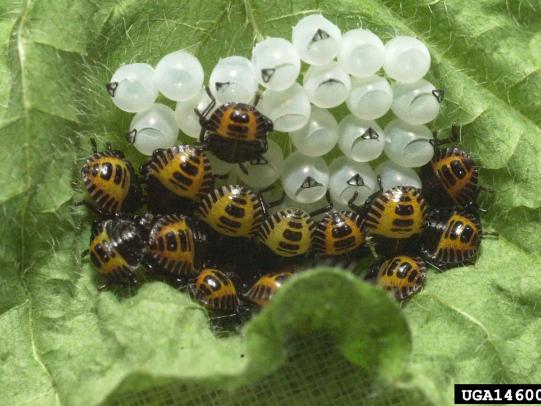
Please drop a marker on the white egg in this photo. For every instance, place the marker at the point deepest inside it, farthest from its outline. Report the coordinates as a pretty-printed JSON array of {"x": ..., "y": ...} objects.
[
  {"x": 289, "y": 109},
  {"x": 179, "y": 76},
  {"x": 317, "y": 39},
  {"x": 264, "y": 171},
  {"x": 318, "y": 136},
  {"x": 349, "y": 177},
  {"x": 132, "y": 87},
  {"x": 417, "y": 102},
  {"x": 406, "y": 59},
  {"x": 305, "y": 179},
  {"x": 408, "y": 145},
  {"x": 393, "y": 175},
  {"x": 233, "y": 80},
  {"x": 327, "y": 85},
  {"x": 360, "y": 140},
  {"x": 370, "y": 97},
  {"x": 362, "y": 53},
  {"x": 152, "y": 129},
  {"x": 276, "y": 63}
]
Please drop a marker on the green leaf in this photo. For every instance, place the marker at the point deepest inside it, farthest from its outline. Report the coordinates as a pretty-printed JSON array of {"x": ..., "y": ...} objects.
[{"x": 64, "y": 343}]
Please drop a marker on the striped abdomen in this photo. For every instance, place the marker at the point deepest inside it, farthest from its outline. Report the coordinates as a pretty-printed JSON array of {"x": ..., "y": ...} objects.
[
  {"x": 171, "y": 246},
  {"x": 239, "y": 122},
  {"x": 339, "y": 233},
  {"x": 402, "y": 275},
  {"x": 183, "y": 170},
  {"x": 108, "y": 179},
  {"x": 234, "y": 211},
  {"x": 214, "y": 290},
  {"x": 452, "y": 239},
  {"x": 457, "y": 175},
  {"x": 397, "y": 213},
  {"x": 264, "y": 289},
  {"x": 288, "y": 232}
]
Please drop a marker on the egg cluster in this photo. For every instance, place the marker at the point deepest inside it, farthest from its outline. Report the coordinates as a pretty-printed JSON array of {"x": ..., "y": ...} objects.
[{"x": 229, "y": 243}]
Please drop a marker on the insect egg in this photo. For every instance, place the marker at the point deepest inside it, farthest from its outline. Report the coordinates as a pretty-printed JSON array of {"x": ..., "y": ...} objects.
[
  {"x": 317, "y": 39},
  {"x": 305, "y": 179},
  {"x": 360, "y": 140},
  {"x": 406, "y": 59},
  {"x": 276, "y": 63},
  {"x": 361, "y": 53},
  {"x": 179, "y": 76},
  {"x": 233, "y": 80},
  {"x": 407, "y": 144},
  {"x": 289, "y": 109},
  {"x": 263, "y": 171},
  {"x": 152, "y": 129},
  {"x": 187, "y": 119},
  {"x": 370, "y": 97},
  {"x": 132, "y": 87},
  {"x": 348, "y": 177},
  {"x": 318, "y": 136},
  {"x": 392, "y": 175},
  {"x": 417, "y": 102},
  {"x": 327, "y": 85}
]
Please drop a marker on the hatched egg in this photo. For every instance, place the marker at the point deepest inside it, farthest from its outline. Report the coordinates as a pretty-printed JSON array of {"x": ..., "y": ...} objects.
[
  {"x": 327, "y": 85},
  {"x": 318, "y": 136},
  {"x": 179, "y": 76},
  {"x": 348, "y": 177},
  {"x": 317, "y": 39},
  {"x": 152, "y": 129},
  {"x": 408, "y": 145},
  {"x": 362, "y": 53},
  {"x": 132, "y": 87},
  {"x": 370, "y": 97},
  {"x": 289, "y": 109},
  {"x": 305, "y": 179},
  {"x": 360, "y": 140},
  {"x": 406, "y": 59},
  {"x": 265, "y": 170},
  {"x": 187, "y": 119},
  {"x": 393, "y": 175},
  {"x": 417, "y": 102},
  {"x": 276, "y": 63},
  {"x": 233, "y": 80}
]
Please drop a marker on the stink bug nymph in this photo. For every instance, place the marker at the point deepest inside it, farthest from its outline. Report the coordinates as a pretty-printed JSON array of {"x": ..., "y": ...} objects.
[
  {"x": 451, "y": 238},
  {"x": 235, "y": 132},
  {"x": 265, "y": 287},
  {"x": 174, "y": 247},
  {"x": 116, "y": 249},
  {"x": 339, "y": 233},
  {"x": 402, "y": 275},
  {"x": 111, "y": 182},
  {"x": 175, "y": 178},
  {"x": 394, "y": 218},
  {"x": 232, "y": 210},
  {"x": 216, "y": 291},
  {"x": 451, "y": 177}
]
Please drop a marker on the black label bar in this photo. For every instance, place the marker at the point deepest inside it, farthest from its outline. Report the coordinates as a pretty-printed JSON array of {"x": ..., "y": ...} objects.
[{"x": 466, "y": 394}]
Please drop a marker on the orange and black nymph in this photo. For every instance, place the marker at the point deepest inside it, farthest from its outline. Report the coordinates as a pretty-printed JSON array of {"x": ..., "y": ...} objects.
[
  {"x": 288, "y": 232},
  {"x": 234, "y": 132},
  {"x": 265, "y": 287},
  {"x": 111, "y": 182},
  {"x": 116, "y": 249},
  {"x": 451, "y": 177},
  {"x": 216, "y": 291},
  {"x": 175, "y": 178},
  {"x": 174, "y": 246},
  {"x": 339, "y": 233},
  {"x": 402, "y": 275},
  {"x": 395, "y": 217},
  {"x": 234, "y": 211},
  {"x": 451, "y": 238}
]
